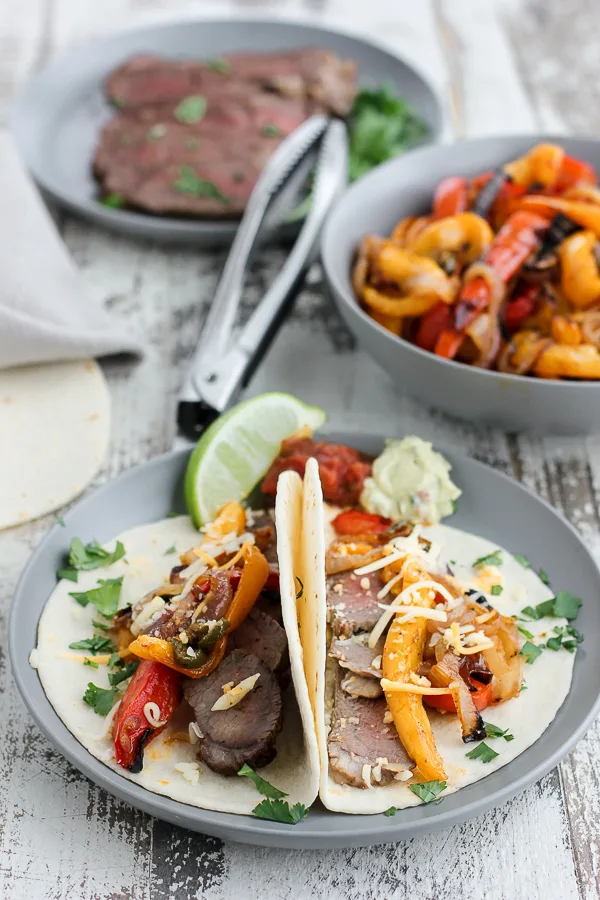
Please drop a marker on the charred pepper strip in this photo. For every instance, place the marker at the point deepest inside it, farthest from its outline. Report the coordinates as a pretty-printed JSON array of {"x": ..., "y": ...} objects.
[
  {"x": 488, "y": 194},
  {"x": 132, "y": 731},
  {"x": 451, "y": 197}
]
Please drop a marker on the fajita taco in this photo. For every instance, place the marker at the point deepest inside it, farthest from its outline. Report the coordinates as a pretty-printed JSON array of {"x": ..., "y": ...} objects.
[{"x": 432, "y": 656}]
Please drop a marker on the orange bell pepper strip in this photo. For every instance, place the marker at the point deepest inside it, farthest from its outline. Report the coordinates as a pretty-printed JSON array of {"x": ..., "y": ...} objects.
[
  {"x": 573, "y": 172},
  {"x": 451, "y": 197},
  {"x": 585, "y": 214},
  {"x": 254, "y": 576}
]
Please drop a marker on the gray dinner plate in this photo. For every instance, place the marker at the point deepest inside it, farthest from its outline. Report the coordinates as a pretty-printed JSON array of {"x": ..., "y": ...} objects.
[
  {"x": 58, "y": 117},
  {"x": 405, "y": 187},
  {"x": 492, "y": 505}
]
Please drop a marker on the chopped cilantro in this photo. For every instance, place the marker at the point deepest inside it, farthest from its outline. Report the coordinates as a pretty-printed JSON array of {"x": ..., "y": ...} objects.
[
  {"x": 496, "y": 590},
  {"x": 191, "y": 109},
  {"x": 566, "y": 605},
  {"x": 270, "y": 130},
  {"x": 105, "y": 597},
  {"x": 127, "y": 671},
  {"x": 60, "y": 521},
  {"x": 523, "y": 686},
  {"x": 101, "y": 626},
  {"x": 523, "y": 561},
  {"x": 280, "y": 811},
  {"x": 262, "y": 786},
  {"x": 391, "y": 811},
  {"x": 454, "y": 506},
  {"x": 543, "y": 575},
  {"x": 428, "y": 790},
  {"x": 554, "y": 643},
  {"x": 189, "y": 183},
  {"x": 492, "y": 731},
  {"x": 567, "y": 637},
  {"x": 96, "y": 644},
  {"x": 170, "y": 550},
  {"x": 100, "y": 699},
  {"x": 483, "y": 752},
  {"x": 116, "y": 661},
  {"x": 530, "y": 652},
  {"x": 300, "y": 591},
  {"x": 218, "y": 64},
  {"x": 524, "y": 632},
  {"x": 113, "y": 200},
  {"x": 83, "y": 557},
  {"x": 452, "y": 562},
  {"x": 90, "y": 662},
  {"x": 492, "y": 559}
]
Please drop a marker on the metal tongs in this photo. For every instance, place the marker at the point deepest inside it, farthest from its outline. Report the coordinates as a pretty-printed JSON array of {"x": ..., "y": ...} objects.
[{"x": 220, "y": 368}]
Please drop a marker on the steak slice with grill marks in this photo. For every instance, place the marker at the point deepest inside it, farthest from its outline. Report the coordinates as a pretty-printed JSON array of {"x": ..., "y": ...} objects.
[
  {"x": 352, "y": 607},
  {"x": 355, "y": 655},
  {"x": 359, "y": 686},
  {"x": 245, "y": 733},
  {"x": 261, "y": 635},
  {"x": 359, "y": 736}
]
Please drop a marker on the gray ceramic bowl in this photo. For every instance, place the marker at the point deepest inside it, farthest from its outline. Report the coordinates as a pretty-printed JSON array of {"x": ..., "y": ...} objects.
[
  {"x": 58, "y": 116},
  {"x": 405, "y": 187},
  {"x": 492, "y": 505}
]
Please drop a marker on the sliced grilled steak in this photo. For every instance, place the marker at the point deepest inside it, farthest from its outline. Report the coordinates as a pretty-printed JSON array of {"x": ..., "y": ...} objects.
[
  {"x": 265, "y": 535},
  {"x": 352, "y": 602},
  {"x": 261, "y": 635},
  {"x": 359, "y": 686},
  {"x": 246, "y": 733},
  {"x": 360, "y": 737},
  {"x": 355, "y": 655},
  {"x": 269, "y": 602}
]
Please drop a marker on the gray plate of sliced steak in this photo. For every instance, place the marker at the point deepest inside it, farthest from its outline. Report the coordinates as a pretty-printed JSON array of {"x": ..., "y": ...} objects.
[{"x": 101, "y": 118}]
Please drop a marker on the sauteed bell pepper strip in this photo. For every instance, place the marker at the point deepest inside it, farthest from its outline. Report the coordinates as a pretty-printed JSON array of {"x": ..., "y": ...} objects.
[
  {"x": 520, "y": 306},
  {"x": 355, "y": 521},
  {"x": 539, "y": 169},
  {"x": 573, "y": 172},
  {"x": 253, "y": 578},
  {"x": 580, "y": 277},
  {"x": 451, "y": 197},
  {"x": 585, "y": 214},
  {"x": 402, "y": 654},
  {"x": 431, "y": 326},
  {"x": 515, "y": 241},
  {"x": 132, "y": 730}
]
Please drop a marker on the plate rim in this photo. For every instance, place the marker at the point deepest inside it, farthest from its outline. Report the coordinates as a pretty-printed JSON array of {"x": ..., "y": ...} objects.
[
  {"x": 156, "y": 226},
  {"x": 373, "y": 829}
]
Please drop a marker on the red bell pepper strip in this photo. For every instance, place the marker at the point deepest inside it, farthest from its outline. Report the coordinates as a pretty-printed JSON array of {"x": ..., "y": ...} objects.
[
  {"x": 481, "y": 695},
  {"x": 520, "y": 307},
  {"x": 152, "y": 683},
  {"x": 574, "y": 171},
  {"x": 431, "y": 325},
  {"x": 355, "y": 521},
  {"x": 451, "y": 197}
]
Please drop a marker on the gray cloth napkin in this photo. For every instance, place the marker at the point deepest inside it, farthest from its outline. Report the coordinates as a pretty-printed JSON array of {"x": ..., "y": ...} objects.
[{"x": 44, "y": 313}]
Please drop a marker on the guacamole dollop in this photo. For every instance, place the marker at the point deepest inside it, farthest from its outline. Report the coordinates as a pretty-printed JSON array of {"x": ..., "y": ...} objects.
[{"x": 410, "y": 482}]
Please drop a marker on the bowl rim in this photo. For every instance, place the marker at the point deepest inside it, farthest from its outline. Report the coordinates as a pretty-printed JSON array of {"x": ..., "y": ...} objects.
[{"x": 447, "y": 366}]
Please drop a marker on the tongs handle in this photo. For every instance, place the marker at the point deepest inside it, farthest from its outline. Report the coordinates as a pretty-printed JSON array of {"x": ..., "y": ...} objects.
[
  {"x": 218, "y": 383},
  {"x": 216, "y": 332}
]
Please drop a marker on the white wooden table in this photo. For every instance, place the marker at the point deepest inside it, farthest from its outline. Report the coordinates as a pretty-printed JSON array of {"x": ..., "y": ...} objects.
[{"x": 501, "y": 66}]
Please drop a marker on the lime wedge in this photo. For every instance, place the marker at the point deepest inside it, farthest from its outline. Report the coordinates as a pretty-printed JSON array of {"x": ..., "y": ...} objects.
[{"x": 237, "y": 449}]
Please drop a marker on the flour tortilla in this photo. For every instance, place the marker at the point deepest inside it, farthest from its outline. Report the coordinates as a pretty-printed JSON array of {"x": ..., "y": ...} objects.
[
  {"x": 55, "y": 422},
  {"x": 526, "y": 716},
  {"x": 146, "y": 564}
]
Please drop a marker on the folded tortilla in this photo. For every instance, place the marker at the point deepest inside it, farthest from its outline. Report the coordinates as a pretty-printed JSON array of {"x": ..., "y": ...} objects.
[{"x": 171, "y": 767}]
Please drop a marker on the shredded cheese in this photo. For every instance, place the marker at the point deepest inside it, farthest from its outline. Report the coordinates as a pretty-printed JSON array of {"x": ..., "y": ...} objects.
[
  {"x": 418, "y": 612},
  {"x": 481, "y": 620},
  {"x": 379, "y": 563},
  {"x": 194, "y": 733},
  {"x": 406, "y": 594},
  {"x": 366, "y": 775},
  {"x": 190, "y": 771},
  {"x": 405, "y": 687},
  {"x": 151, "y": 609},
  {"x": 152, "y": 713},
  {"x": 235, "y": 694}
]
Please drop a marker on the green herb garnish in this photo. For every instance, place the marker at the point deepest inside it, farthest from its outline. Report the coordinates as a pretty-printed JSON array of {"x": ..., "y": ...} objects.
[
  {"x": 101, "y": 626},
  {"x": 391, "y": 811},
  {"x": 564, "y": 606},
  {"x": 525, "y": 633},
  {"x": 567, "y": 637},
  {"x": 496, "y": 590},
  {"x": 189, "y": 183},
  {"x": 90, "y": 662},
  {"x": 116, "y": 661},
  {"x": 191, "y": 109},
  {"x": 218, "y": 64},
  {"x": 492, "y": 559},
  {"x": 262, "y": 786},
  {"x": 100, "y": 699},
  {"x": 428, "y": 790},
  {"x": 83, "y": 557},
  {"x": 171, "y": 550},
  {"x": 492, "y": 731},
  {"x": 96, "y": 644},
  {"x": 523, "y": 561},
  {"x": 280, "y": 811},
  {"x": 127, "y": 671},
  {"x": 114, "y": 201},
  {"x": 543, "y": 575},
  {"x": 483, "y": 752},
  {"x": 270, "y": 130},
  {"x": 530, "y": 652},
  {"x": 105, "y": 597},
  {"x": 60, "y": 521}
]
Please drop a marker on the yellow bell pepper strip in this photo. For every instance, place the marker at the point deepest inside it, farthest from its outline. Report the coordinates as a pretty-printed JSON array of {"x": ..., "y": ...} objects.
[
  {"x": 402, "y": 655},
  {"x": 585, "y": 214},
  {"x": 539, "y": 169},
  {"x": 579, "y": 275}
]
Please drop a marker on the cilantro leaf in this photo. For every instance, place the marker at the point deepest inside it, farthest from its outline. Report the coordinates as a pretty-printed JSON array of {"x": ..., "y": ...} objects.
[
  {"x": 391, "y": 811},
  {"x": 492, "y": 731},
  {"x": 127, "y": 671},
  {"x": 567, "y": 637},
  {"x": 105, "y": 597},
  {"x": 492, "y": 559},
  {"x": 96, "y": 644},
  {"x": 189, "y": 183},
  {"x": 428, "y": 790},
  {"x": 523, "y": 561},
  {"x": 116, "y": 661},
  {"x": 100, "y": 699},
  {"x": 171, "y": 550},
  {"x": 280, "y": 811},
  {"x": 218, "y": 64},
  {"x": 262, "y": 786},
  {"x": 101, "y": 626},
  {"x": 270, "y": 130},
  {"x": 113, "y": 200},
  {"x": 483, "y": 752},
  {"x": 524, "y": 632},
  {"x": 496, "y": 590},
  {"x": 83, "y": 557},
  {"x": 530, "y": 652},
  {"x": 90, "y": 662},
  {"x": 566, "y": 605},
  {"x": 543, "y": 576},
  {"x": 191, "y": 109},
  {"x": 60, "y": 521},
  {"x": 554, "y": 643}
]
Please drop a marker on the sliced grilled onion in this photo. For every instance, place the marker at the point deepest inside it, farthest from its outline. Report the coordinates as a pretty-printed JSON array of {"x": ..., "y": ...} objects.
[
  {"x": 335, "y": 561},
  {"x": 446, "y": 673},
  {"x": 503, "y": 659},
  {"x": 521, "y": 354}
]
